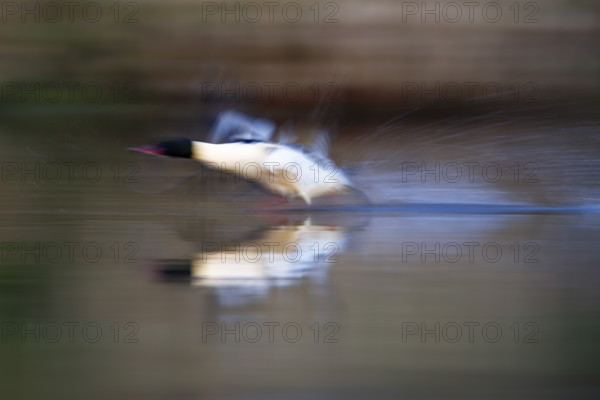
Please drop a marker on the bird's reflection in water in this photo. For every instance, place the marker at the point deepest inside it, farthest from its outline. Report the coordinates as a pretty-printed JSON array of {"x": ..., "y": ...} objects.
[{"x": 282, "y": 252}]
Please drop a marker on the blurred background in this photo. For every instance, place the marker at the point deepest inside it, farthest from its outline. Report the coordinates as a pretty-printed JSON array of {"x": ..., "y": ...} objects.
[{"x": 408, "y": 91}]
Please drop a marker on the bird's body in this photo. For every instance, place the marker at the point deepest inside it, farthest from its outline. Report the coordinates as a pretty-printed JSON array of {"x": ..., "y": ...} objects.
[
  {"x": 284, "y": 169},
  {"x": 281, "y": 169}
]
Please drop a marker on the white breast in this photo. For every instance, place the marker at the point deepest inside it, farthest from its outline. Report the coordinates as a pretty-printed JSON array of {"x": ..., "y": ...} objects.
[{"x": 281, "y": 169}]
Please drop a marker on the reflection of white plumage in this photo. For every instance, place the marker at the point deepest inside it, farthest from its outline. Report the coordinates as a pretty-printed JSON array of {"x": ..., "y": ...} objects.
[
  {"x": 280, "y": 254},
  {"x": 243, "y": 148}
]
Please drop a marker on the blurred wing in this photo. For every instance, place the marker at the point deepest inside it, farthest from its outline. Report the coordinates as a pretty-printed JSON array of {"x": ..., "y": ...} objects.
[
  {"x": 286, "y": 134},
  {"x": 232, "y": 126},
  {"x": 320, "y": 146}
]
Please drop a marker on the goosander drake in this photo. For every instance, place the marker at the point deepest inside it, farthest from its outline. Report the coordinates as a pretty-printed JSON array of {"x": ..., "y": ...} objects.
[{"x": 281, "y": 168}]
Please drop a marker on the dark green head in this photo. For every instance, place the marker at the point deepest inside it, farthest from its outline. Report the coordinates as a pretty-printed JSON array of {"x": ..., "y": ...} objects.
[{"x": 175, "y": 147}]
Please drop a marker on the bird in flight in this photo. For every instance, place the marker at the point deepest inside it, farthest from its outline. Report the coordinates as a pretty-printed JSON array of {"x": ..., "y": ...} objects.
[{"x": 243, "y": 146}]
